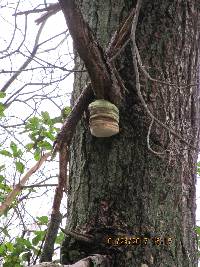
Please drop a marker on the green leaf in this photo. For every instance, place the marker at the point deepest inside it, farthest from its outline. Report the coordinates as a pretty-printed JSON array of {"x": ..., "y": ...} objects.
[
  {"x": 43, "y": 220},
  {"x": 45, "y": 145},
  {"x": 2, "y": 108},
  {"x": 33, "y": 136},
  {"x": 49, "y": 135},
  {"x": 60, "y": 238},
  {"x": 39, "y": 237},
  {"x": 33, "y": 123},
  {"x": 9, "y": 246},
  {"x": 198, "y": 230},
  {"x": 2, "y": 94},
  {"x": 16, "y": 152},
  {"x": 2, "y": 249},
  {"x": 24, "y": 242},
  {"x": 46, "y": 117},
  {"x": 29, "y": 146},
  {"x": 37, "y": 154},
  {"x": 26, "y": 256},
  {"x": 19, "y": 166},
  {"x": 1, "y": 178},
  {"x": 2, "y": 167},
  {"x": 2, "y": 199},
  {"x": 6, "y": 153},
  {"x": 5, "y": 188},
  {"x": 65, "y": 112}
]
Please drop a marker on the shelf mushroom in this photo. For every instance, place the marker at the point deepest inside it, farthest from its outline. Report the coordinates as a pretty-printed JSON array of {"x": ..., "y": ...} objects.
[{"x": 104, "y": 118}]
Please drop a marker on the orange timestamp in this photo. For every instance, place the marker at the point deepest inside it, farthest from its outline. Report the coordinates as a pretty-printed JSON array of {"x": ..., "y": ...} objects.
[{"x": 138, "y": 240}]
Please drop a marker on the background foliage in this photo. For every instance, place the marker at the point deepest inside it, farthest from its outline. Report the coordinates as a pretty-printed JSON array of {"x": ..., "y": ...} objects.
[{"x": 36, "y": 80}]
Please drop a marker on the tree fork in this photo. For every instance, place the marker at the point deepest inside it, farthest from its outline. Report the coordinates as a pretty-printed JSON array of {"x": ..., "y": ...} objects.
[
  {"x": 103, "y": 83},
  {"x": 117, "y": 43}
]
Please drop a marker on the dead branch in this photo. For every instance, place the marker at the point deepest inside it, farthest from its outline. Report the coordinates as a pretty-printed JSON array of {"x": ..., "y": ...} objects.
[
  {"x": 62, "y": 178},
  {"x": 120, "y": 37},
  {"x": 27, "y": 62},
  {"x": 66, "y": 133},
  {"x": 90, "y": 52},
  {"x": 51, "y": 7},
  {"x": 50, "y": 237},
  {"x": 56, "y": 216},
  {"x": 52, "y": 10},
  {"x": 11, "y": 196},
  {"x": 95, "y": 260},
  {"x": 78, "y": 236},
  {"x": 39, "y": 185}
]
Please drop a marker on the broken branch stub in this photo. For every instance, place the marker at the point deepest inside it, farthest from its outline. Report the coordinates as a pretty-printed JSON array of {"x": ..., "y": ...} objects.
[
  {"x": 66, "y": 133},
  {"x": 120, "y": 37}
]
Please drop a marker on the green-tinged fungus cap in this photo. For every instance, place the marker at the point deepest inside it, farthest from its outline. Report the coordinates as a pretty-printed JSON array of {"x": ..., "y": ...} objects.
[{"x": 103, "y": 105}]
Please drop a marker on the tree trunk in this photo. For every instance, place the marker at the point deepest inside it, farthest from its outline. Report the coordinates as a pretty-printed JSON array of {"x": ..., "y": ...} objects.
[{"x": 118, "y": 187}]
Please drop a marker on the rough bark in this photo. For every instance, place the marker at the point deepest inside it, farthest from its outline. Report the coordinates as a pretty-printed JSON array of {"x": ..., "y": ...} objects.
[{"x": 117, "y": 186}]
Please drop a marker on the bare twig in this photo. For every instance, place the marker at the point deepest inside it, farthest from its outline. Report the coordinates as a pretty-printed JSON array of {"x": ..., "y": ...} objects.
[
  {"x": 39, "y": 185},
  {"x": 78, "y": 236},
  {"x": 54, "y": 9},
  {"x": 40, "y": 248},
  {"x": 11, "y": 196},
  {"x": 51, "y": 7},
  {"x": 27, "y": 62}
]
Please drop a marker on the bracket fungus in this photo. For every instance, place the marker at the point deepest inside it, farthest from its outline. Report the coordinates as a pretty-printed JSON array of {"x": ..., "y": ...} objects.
[{"x": 104, "y": 118}]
